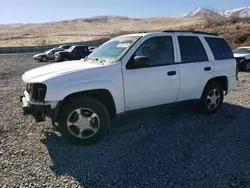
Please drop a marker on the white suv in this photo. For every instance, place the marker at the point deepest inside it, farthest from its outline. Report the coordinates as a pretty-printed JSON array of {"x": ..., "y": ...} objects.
[{"x": 127, "y": 73}]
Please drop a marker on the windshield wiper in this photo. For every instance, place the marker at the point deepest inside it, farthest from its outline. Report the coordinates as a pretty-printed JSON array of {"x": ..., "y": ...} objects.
[{"x": 94, "y": 59}]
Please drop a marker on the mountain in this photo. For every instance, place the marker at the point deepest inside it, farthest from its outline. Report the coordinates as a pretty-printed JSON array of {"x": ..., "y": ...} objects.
[
  {"x": 204, "y": 12},
  {"x": 243, "y": 12}
]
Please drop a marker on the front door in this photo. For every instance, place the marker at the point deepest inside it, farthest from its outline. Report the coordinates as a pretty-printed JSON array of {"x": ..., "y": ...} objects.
[
  {"x": 155, "y": 82},
  {"x": 75, "y": 53}
]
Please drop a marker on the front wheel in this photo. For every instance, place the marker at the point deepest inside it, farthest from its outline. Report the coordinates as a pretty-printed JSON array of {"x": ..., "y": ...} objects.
[
  {"x": 44, "y": 59},
  {"x": 58, "y": 58},
  {"x": 83, "y": 121},
  {"x": 212, "y": 98}
]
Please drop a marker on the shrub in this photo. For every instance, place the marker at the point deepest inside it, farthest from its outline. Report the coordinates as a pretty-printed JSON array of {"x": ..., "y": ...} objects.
[
  {"x": 238, "y": 27},
  {"x": 241, "y": 39}
]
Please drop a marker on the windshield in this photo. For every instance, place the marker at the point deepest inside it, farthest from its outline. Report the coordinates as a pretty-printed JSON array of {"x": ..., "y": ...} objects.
[
  {"x": 242, "y": 51},
  {"x": 70, "y": 49},
  {"x": 114, "y": 49},
  {"x": 48, "y": 51}
]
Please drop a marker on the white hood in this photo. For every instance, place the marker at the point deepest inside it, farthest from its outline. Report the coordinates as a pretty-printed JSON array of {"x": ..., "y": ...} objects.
[
  {"x": 240, "y": 55},
  {"x": 46, "y": 72}
]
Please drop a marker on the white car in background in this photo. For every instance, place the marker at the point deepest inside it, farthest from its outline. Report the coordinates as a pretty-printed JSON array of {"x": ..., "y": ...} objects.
[
  {"x": 48, "y": 55},
  {"x": 242, "y": 55}
]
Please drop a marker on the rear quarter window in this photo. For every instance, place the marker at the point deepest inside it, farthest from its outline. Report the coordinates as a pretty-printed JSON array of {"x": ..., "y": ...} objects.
[{"x": 219, "y": 48}]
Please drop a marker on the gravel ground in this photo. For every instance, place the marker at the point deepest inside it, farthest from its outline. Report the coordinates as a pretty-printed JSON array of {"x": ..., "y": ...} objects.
[{"x": 158, "y": 147}]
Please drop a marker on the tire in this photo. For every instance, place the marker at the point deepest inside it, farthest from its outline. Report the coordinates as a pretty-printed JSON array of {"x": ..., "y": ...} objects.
[
  {"x": 58, "y": 59},
  {"x": 44, "y": 59},
  {"x": 247, "y": 66},
  {"x": 66, "y": 59},
  {"x": 81, "y": 110},
  {"x": 212, "y": 98}
]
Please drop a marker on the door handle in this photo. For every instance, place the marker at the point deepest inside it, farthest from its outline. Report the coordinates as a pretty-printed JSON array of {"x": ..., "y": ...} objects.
[
  {"x": 207, "y": 69},
  {"x": 171, "y": 73}
]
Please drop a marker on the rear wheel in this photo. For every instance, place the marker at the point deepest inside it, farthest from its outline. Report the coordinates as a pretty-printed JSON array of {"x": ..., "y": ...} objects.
[
  {"x": 83, "y": 121},
  {"x": 212, "y": 98}
]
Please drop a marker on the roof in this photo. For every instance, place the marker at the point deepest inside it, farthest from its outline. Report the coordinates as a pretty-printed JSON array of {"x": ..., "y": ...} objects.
[
  {"x": 80, "y": 45},
  {"x": 194, "y": 32},
  {"x": 137, "y": 34},
  {"x": 172, "y": 31}
]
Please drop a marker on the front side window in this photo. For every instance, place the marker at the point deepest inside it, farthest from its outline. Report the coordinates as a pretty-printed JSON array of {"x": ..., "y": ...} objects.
[
  {"x": 114, "y": 49},
  {"x": 50, "y": 51},
  {"x": 191, "y": 49},
  {"x": 220, "y": 48},
  {"x": 158, "y": 51}
]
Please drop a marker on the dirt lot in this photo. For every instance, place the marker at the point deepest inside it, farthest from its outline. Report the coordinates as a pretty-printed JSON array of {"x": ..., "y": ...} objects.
[{"x": 159, "y": 147}]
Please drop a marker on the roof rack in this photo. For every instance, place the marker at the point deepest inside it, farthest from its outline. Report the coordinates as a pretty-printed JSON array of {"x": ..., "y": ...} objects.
[{"x": 196, "y": 32}]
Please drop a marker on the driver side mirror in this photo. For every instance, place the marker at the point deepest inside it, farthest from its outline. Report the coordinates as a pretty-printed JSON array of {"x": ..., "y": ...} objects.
[{"x": 140, "y": 61}]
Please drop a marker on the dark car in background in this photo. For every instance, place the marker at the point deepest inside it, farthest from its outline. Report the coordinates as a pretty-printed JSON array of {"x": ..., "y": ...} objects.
[
  {"x": 47, "y": 55},
  {"x": 75, "y": 52}
]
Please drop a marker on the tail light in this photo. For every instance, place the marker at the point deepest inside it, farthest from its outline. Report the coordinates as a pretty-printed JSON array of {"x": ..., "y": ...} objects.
[{"x": 237, "y": 70}]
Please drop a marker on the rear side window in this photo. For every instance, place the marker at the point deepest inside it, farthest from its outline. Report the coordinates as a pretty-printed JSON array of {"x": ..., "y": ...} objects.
[
  {"x": 220, "y": 48},
  {"x": 191, "y": 49}
]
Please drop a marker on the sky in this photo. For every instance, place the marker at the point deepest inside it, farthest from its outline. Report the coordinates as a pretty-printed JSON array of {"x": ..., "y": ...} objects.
[{"x": 38, "y": 11}]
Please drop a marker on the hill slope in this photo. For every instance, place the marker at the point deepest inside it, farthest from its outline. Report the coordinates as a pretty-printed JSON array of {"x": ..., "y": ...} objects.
[{"x": 84, "y": 29}]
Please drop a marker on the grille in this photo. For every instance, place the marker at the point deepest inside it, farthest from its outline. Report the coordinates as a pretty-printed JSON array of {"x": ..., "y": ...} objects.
[{"x": 37, "y": 92}]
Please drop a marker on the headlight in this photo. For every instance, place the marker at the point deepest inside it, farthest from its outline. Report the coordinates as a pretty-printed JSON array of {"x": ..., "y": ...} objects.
[{"x": 37, "y": 91}]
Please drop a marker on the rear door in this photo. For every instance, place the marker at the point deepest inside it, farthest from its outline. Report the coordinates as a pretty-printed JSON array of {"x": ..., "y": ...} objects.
[
  {"x": 223, "y": 55},
  {"x": 224, "y": 64},
  {"x": 196, "y": 66}
]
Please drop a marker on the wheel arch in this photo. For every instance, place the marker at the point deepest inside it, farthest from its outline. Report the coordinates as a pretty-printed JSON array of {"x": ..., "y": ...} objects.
[
  {"x": 222, "y": 80},
  {"x": 103, "y": 95}
]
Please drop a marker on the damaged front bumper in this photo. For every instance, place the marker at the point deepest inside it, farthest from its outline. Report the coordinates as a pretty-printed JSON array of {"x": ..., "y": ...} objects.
[{"x": 39, "y": 110}]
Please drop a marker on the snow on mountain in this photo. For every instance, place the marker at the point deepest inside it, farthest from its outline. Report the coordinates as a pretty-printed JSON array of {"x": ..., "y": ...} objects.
[
  {"x": 201, "y": 13},
  {"x": 245, "y": 13},
  {"x": 204, "y": 12},
  {"x": 228, "y": 13}
]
